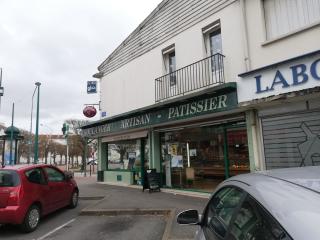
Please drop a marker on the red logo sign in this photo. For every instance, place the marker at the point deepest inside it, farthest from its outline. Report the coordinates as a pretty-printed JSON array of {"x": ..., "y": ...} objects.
[{"x": 89, "y": 111}]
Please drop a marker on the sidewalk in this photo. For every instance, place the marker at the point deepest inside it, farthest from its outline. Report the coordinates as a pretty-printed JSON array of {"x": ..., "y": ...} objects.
[{"x": 127, "y": 200}]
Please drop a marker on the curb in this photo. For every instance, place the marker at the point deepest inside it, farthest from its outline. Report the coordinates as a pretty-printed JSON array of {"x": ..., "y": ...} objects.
[
  {"x": 120, "y": 212},
  {"x": 169, "y": 222},
  {"x": 169, "y": 215},
  {"x": 164, "y": 190},
  {"x": 91, "y": 197}
]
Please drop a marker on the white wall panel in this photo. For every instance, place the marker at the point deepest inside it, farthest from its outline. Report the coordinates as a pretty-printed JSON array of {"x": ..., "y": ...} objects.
[{"x": 132, "y": 85}]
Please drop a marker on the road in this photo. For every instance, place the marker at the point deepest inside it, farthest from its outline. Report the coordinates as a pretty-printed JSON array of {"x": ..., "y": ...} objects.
[
  {"x": 47, "y": 224},
  {"x": 68, "y": 224}
]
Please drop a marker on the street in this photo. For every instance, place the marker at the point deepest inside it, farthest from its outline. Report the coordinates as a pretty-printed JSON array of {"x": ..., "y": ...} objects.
[
  {"x": 106, "y": 212},
  {"x": 47, "y": 224}
]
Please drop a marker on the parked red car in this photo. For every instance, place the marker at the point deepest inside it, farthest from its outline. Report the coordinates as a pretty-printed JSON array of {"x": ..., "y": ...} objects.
[{"x": 28, "y": 192}]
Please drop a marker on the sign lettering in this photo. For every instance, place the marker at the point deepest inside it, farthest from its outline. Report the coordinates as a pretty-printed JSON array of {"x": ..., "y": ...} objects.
[
  {"x": 186, "y": 110},
  {"x": 299, "y": 74}
]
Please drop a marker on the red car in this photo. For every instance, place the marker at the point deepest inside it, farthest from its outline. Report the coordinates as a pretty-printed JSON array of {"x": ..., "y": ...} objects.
[{"x": 28, "y": 192}]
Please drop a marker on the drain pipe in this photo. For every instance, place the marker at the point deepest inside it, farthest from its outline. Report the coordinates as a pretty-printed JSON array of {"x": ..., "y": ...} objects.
[{"x": 247, "y": 60}]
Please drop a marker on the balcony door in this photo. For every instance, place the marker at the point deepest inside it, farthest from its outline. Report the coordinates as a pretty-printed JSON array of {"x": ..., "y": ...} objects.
[
  {"x": 215, "y": 42},
  {"x": 172, "y": 68}
]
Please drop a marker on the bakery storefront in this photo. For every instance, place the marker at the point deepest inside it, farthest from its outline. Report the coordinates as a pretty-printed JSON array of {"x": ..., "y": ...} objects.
[
  {"x": 194, "y": 142},
  {"x": 286, "y": 99}
]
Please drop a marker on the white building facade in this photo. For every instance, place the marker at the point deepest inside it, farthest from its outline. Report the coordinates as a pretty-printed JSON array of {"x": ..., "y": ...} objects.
[
  {"x": 180, "y": 93},
  {"x": 282, "y": 85}
]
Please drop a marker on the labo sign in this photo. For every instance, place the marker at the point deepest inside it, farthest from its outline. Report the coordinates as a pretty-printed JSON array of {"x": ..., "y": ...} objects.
[
  {"x": 288, "y": 77},
  {"x": 300, "y": 74}
]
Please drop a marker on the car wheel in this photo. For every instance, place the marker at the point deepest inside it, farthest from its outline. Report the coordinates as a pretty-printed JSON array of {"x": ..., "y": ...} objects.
[
  {"x": 31, "y": 220},
  {"x": 74, "y": 199}
]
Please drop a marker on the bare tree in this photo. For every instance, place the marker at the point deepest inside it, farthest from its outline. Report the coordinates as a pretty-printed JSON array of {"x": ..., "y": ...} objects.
[{"x": 77, "y": 141}]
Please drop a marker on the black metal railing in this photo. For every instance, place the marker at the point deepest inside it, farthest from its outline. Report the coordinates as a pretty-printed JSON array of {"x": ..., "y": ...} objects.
[{"x": 201, "y": 74}]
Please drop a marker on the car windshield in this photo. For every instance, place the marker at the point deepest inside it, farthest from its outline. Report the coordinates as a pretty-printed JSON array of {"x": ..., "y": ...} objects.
[{"x": 9, "y": 178}]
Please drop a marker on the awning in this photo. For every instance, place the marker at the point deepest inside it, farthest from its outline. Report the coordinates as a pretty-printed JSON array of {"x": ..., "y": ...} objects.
[{"x": 125, "y": 136}]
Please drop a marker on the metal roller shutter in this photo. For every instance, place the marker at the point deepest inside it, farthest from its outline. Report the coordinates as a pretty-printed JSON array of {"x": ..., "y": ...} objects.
[{"x": 292, "y": 140}]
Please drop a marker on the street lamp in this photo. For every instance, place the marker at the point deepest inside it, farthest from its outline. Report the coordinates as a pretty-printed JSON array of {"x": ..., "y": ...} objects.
[
  {"x": 30, "y": 135},
  {"x": 36, "y": 139}
]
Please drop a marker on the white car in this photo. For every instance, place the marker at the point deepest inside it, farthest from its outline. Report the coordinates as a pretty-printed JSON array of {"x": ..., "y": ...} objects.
[{"x": 278, "y": 204}]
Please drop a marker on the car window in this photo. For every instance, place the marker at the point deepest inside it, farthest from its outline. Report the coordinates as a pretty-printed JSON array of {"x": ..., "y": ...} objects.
[
  {"x": 254, "y": 222},
  {"x": 35, "y": 175},
  {"x": 54, "y": 175},
  {"x": 220, "y": 210},
  {"x": 9, "y": 178}
]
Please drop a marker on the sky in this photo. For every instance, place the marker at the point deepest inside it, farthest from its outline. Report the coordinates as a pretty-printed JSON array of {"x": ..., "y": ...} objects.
[{"x": 59, "y": 43}]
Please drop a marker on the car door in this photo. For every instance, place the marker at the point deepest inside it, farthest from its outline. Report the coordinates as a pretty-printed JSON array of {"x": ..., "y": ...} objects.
[
  {"x": 219, "y": 213},
  {"x": 58, "y": 187},
  {"x": 37, "y": 189}
]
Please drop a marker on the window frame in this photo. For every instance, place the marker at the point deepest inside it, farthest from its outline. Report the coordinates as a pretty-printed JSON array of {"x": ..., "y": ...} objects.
[
  {"x": 166, "y": 53},
  {"x": 206, "y": 32},
  {"x": 245, "y": 193},
  {"x": 45, "y": 182},
  {"x": 235, "y": 213},
  {"x": 17, "y": 179},
  {"x": 47, "y": 175},
  {"x": 249, "y": 198},
  {"x": 280, "y": 37}
]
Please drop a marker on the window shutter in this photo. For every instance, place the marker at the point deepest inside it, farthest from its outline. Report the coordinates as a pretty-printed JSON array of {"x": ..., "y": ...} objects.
[{"x": 284, "y": 16}]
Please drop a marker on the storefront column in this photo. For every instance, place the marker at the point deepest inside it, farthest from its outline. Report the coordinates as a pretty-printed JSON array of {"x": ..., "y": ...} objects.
[
  {"x": 102, "y": 155},
  {"x": 142, "y": 151},
  {"x": 225, "y": 152},
  {"x": 253, "y": 143},
  {"x": 155, "y": 151}
]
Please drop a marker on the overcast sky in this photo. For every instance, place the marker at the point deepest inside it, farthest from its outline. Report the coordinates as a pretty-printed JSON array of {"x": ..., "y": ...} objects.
[{"x": 59, "y": 43}]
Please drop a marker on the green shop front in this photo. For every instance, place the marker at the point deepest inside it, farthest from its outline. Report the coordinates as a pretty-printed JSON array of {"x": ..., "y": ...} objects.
[{"x": 195, "y": 142}]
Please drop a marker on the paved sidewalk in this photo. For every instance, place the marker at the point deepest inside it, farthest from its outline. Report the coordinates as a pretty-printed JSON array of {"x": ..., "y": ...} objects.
[{"x": 126, "y": 200}]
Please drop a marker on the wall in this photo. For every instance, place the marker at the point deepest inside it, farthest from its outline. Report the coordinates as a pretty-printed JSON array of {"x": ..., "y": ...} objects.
[
  {"x": 111, "y": 176},
  {"x": 132, "y": 85},
  {"x": 263, "y": 53}
]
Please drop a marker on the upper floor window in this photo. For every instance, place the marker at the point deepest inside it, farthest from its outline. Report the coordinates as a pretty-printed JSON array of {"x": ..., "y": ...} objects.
[
  {"x": 285, "y": 16},
  {"x": 213, "y": 44},
  {"x": 212, "y": 38},
  {"x": 169, "y": 57}
]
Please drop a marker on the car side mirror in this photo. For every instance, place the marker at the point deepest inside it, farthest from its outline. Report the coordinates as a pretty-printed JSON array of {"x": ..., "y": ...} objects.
[
  {"x": 188, "y": 217},
  {"x": 68, "y": 175}
]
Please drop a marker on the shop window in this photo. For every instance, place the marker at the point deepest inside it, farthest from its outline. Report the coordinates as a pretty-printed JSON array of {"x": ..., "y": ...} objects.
[
  {"x": 285, "y": 16},
  {"x": 124, "y": 155},
  {"x": 238, "y": 153},
  {"x": 195, "y": 157}
]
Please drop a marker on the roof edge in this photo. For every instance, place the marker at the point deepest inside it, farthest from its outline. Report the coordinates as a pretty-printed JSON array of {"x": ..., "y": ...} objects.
[{"x": 137, "y": 29}]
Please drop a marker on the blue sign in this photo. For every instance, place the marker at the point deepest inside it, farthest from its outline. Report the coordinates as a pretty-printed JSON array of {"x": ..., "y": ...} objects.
[
  {"x": 299, "y": 74},
  {"x": 91, "y": 87}
]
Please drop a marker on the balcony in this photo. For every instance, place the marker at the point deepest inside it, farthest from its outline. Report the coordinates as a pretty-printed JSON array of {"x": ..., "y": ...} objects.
[{"x": 199, "y": 75}]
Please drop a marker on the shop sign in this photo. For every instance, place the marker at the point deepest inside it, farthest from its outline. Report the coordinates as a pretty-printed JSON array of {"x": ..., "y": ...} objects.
[
  {"x": 89, "y": 111},
  {"x": 186, "y": 110},
  {"x": 293, "y": 76},
  {"x": 91, "y": 87}
]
